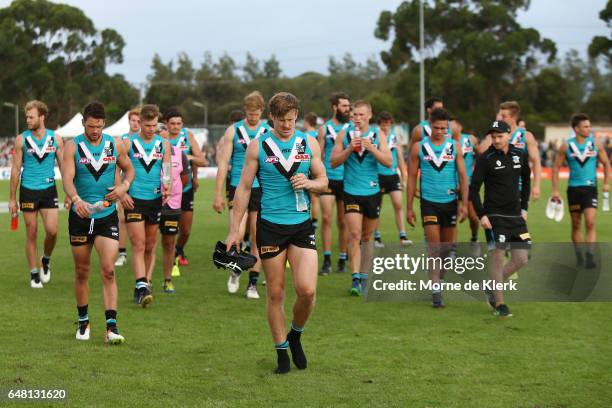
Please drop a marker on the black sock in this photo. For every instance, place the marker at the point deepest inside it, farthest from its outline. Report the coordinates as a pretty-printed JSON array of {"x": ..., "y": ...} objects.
[
  {"x": 297, "y": 353},
  {"x": 178, "y": 251},
  {"x": 253, "y": 277},
  {"x": 474, "y": 238},
  {"x": 282, "y": 358},
  {"x": 83, "y": 315},
  {"x": 246, "y": 237},
  {"x": 122, "y": 251},
  {"x": 45, "y": 260},
  {"x": 111, "y": 319},
  {"x": 326, "y": 258},
  {"x": 35, "y": 275}
]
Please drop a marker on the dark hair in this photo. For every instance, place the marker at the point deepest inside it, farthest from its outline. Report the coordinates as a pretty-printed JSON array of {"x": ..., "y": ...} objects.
[
  {"x": 334, "y": 99},
  {"x": 172, "y": 113},
  {"x": 432, "y": 101},
  {"x": 383, "y": 116},
  {"x": 311, "y": 119},
  {"x": 236, "y": 116},
  {"x": 94, "y": 110},
  {"x": 439, "y": 114},
  {"x": 283, "y": 103},
  {"x": 577, "y": 118}
]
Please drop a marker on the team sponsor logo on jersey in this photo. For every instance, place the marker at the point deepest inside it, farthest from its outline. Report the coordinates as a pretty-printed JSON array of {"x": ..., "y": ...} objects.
[
  {"x": 147, "y": 160},
  {"x": 286, "y": 166},
  {"x": 302, "y": 157},
  {"x": 438, "y": 163},
  {"x": 272, "y": 159},
  {"x": 97, "y": 167},
  {"x": 40, "y": 153},
  {"x": 499, "y": 165}
]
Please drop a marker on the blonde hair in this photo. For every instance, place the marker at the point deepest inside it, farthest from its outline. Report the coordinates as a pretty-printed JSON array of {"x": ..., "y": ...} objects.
[
  {"x": 254, "y": 101},
  {"x": 38, "y": 105},
  {"x": 149, "y": 112},
  {"x": 362, "y": 102},
  {"x": 512, "y": 106},
  {"x": 134, "y": 111}
]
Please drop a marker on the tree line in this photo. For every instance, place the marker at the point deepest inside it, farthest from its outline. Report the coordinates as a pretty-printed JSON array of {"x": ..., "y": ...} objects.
[{"x": 477, "y": 55}]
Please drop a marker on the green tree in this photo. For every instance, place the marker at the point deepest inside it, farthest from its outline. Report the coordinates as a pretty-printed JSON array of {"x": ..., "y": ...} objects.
[
  {"x": 601, "y": 45},
  {"x": 477, "y": 54}
]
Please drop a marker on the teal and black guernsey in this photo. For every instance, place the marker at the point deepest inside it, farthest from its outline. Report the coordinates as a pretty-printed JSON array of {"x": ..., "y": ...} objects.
[
  {"x": 127, "y": 135},
  {"x": 438, "y": 171},
  {"x": 95, "y": 171},
  {"x": 331, "y": 131},
  {"x": 582, "y": 160},
  {"x": 278, "y": 162},
  {"x": 426, "y": 129},
  {"x": 183, "y": 144},
  {"x": 467, "y": 148},
  {"x": 361, "y": 168},
  {"x": 311, "y": 133},
  {"x": 390, "y": 171},
  {"x": 147, "y": 159},
  {"x": 242, "y": 137},
  {"x": 38, "y": 160}
]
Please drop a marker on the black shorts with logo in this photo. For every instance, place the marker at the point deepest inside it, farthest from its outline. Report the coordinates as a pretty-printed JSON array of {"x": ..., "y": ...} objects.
[
  {"x": 254, "y": 200},
  {"x": 273, "y": 238},
  {"x": 169, "y": 221},
  {"x": 369, "y": 206},
  {"x": 508, "y": 231},
  {"x": 442, "y": 214},
  {"x": 148, "y": 211},
  {"x": 34, "y": 200},
  {"x": 187, "y": 200},
  {"x": 579, "y": 198},
  {"x": 335, "y": 188},
  {"x": 83, "y": 231},
  {"x": 389, "y": 183}
]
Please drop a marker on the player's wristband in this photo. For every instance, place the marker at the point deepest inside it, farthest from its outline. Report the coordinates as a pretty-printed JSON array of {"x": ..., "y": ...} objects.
[
  {"x": 75, "y": 199},
  {"x": 524, "y": 213}
]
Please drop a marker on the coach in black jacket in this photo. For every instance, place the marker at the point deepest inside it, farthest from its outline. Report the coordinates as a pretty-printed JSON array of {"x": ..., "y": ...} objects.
[{"x": 504, "y": 170}]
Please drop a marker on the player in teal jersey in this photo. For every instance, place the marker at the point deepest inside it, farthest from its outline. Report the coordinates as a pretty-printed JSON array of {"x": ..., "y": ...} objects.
[
  {"x": 361, "y": 147},
  {"x": 469, "y": 145},
  {"x": 310, "y": 128},
  {"x": 283, "y": 159},
  {"x": 390, "y": 181},
  {"x": 520, "y": 138},
  {"x": 142, "y": 205},
  {"x": 36, "y": 152},
  {"x": 236, "y": 140},
  {"x": 582, "y": 152},
  {"x": 424, "y": 128},
  {"x": 186, "y": 141},
  {"x": 134, "y": 121},
  {"x": 89, "y": 173},
  {"x": 341, "y": 108},
  {"x": 440, "y": 160}
]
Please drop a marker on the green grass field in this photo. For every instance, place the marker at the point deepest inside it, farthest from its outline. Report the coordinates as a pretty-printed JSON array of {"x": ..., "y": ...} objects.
[{"x": 203, "y": 347}]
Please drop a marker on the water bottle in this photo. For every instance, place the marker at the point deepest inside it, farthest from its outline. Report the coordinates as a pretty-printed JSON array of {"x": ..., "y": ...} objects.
[
  {"x": 301, "y": 201},
  {"x": 98, "y": 206},
  {"x": 166, "y": 175},
  {"x": 14, "y": 221},
  {"x": 357, "y": 136},
  {"x": 606, "y": 201}
]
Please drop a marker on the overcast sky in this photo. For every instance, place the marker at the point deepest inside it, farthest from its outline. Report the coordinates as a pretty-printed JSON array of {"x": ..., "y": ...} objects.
[{"x": 302, "y": 34}]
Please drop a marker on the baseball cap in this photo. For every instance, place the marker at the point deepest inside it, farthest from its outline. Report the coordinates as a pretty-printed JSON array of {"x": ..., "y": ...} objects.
[{"x": 499, "y": 126}]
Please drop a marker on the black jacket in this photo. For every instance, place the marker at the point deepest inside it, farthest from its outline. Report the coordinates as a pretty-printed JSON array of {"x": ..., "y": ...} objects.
[{"x": 500, "y": 174}]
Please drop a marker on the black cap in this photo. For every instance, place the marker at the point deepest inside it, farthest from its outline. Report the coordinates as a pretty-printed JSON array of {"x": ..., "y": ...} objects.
[{"x": 499, "y": 126}]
